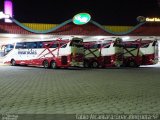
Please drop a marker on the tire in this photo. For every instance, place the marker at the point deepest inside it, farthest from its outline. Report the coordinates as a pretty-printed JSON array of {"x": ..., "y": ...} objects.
[
  {"x": 53, "y": 65},
  {"x": 86, "y": 64},
  {"x": 95, "y": 64},
  {"x": 132, "y": 64},
  {"x": 45, "y": 64},
  {"x": 118, "y": 65},
  {"x": 13, "y": 62}
]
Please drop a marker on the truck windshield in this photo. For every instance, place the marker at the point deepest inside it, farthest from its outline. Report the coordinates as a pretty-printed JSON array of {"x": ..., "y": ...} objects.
[
  {"x": 77, "y": 42},
  {"x": 7, "y": 48}
]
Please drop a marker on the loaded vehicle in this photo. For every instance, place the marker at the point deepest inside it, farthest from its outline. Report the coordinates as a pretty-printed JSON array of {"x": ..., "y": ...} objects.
[
  {"x": 49, "y": 54},
  {"x": 100, "y": 54},
  {"x": 138, "y": 52},
  {"x": 119, "y": 53},
  {"x": 77, "y": 53}
]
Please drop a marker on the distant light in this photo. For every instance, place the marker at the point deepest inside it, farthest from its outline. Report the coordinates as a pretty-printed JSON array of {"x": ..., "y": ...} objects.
[{"x": 8, "y": 9}]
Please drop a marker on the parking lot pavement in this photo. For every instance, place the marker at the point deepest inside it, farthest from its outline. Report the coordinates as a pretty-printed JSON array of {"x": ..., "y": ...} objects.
[{"x": 35, "y": 90}]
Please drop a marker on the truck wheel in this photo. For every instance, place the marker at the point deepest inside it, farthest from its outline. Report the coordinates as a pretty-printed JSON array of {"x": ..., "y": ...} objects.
[
  {"x": 95, "y": 64},
  {"x": 53, "y": 65},
  {"x": 118, "y": 65},
  {"x": 13, "y": 62},
  {"x": 132, "y": 64},
  {"x": 45, "y": 64},
  {"x": 86, "y": 64}
]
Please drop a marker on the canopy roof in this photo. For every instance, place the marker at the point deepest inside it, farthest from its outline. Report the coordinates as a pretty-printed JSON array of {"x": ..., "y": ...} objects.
[{"x": 91, "y": 29}]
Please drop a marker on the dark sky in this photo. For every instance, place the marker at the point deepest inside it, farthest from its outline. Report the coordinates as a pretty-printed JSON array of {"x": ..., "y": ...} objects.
[{"x": 105, "y": 12}]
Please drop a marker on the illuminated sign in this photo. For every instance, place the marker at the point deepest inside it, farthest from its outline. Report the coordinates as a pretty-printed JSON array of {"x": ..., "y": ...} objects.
[
  {"x": 147, "y": 19},
  {"x": 81, "y": 18},
  {"x": 8, "y": 9},
  {"x": 153, "y": 19}
]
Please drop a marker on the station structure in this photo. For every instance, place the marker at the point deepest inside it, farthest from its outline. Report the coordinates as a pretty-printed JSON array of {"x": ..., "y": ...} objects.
[
  {"x": 92, "y": 29},
  {"x": 81, "y": 25}
]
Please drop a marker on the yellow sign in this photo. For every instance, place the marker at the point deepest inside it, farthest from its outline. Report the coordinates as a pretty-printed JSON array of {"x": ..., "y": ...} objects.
[{"x": 153, "y": 19}]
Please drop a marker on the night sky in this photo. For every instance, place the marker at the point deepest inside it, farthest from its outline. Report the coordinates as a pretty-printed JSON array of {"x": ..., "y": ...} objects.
[{"x": 105, "y": 12}]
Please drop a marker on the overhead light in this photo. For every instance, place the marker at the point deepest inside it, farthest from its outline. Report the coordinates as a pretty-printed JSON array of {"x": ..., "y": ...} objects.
[
  {"x": 126, "y": 38},
  {"x": 99, "y": 37},
  {"x": 12, "y": 35},
  {"x": 42, "y": 36}
]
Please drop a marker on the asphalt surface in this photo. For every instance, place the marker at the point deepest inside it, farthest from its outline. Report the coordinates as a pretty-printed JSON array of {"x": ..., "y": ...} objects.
[{"x": 33, "y": 90}]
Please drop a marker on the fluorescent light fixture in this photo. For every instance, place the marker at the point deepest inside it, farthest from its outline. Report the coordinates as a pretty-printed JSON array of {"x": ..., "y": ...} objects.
[
  {"x": 42, "y": 37},
  {"x": 99, "y": 37},
  {"x": 126, "y": 38}
]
